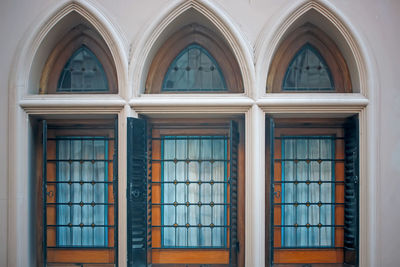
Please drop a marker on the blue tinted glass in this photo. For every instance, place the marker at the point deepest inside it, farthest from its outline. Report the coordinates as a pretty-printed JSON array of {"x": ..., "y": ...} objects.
[
  {"x": 83, "y": 72},
  {"x": 308, "y": 71},
  {"x": 194, "y": 69}
]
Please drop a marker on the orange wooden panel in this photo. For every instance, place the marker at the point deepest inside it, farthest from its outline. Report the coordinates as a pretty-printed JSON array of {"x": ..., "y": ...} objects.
[
  {"x": 80, "y": 255},
  {"x": 190, "y": 256},
  {"x": 339, "y": 171},
  {"x": 339, "y": 237},
  {"x": 308, "y": 256}
]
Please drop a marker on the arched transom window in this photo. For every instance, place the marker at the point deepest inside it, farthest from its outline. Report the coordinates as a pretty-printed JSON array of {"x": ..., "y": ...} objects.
[{"x": 194, "y": 69}]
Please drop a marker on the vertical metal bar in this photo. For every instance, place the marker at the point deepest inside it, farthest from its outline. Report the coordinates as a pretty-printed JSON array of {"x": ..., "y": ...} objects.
[
  {"x": 272, "y": 160},
  {"x": 115, "y": 190},
  {"x": 44, "y": 189}
]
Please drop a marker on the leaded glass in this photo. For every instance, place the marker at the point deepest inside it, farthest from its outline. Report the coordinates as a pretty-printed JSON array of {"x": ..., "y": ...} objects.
[
  {"x": 194, "y": 191},
  {"x": 308, "y": 71},
  {"x": 82, "y": 198},
  {"x": 194, "y": 69},
  {"x": 83, "y": 72},
  {"x": 307, "y": 191}
]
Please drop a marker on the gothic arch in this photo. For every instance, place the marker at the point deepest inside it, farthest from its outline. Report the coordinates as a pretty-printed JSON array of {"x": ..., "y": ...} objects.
[
  {"x": 36, "y": 46},
  {"x": 185, "y": 12},
  {"x": 331, "y": 24}
]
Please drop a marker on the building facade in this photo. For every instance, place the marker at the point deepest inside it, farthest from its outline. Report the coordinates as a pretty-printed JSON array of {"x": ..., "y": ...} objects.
[{"x": 236, "y": 133}]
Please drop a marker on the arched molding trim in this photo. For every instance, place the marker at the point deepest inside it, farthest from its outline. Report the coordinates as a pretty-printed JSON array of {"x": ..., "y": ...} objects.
[
  {"x": 269, "y": 40},
  {"x": 188, "y": 35},
  {"x": 151, "y": 39},
  {"x": 76, "y": 38},
  {"x": 32, "y": 48},
  {"x": 308, "y": 34}
]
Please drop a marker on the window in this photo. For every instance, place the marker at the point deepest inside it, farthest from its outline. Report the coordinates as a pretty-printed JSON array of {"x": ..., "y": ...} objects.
[
  {"x": 194, "y": 60},
  {"x": 191, "y": 194},
  {"x": 308, "y": 61},
  {"x": 194, "y": 69},
  {"x": 308, "y": 72},
  {"x": 83, "y": 72},
  {"x": 79, "y": 193},
  {"x": 314, "y": 189},
  {"x": 80, "y": 63}
]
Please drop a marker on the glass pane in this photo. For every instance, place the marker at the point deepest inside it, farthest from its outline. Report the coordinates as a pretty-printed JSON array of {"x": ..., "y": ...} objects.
[
  {"x": 194, "y": 191},
  {"x": 308, "y": 72},
  {"x": 307, "y": 173},
  {"x": 194, "y": 69},
  {"x": 81, "y": 192},
  {"x": 83, "y": 72}
]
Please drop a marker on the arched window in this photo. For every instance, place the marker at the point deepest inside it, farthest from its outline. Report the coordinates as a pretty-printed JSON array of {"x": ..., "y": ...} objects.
[
  {"x": 194, "y": 69},
  {"x": 308, "y": 71},
  {"x": 80, "y": 63},
  {"x": 83, "y": 72},
  {"x": 308, "y": 61},
  {"x": 194, "y": 59}
]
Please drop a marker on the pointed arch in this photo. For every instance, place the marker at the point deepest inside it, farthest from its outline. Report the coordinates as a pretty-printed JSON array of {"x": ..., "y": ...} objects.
[
  {"x": 330, "y": 22},
  {"x": 199, "y": 36},
  {"x": 168, "y": 22},
  {"x": 311, "y": 36},
  {"x": 203, "y": 72},
  {"x": 37, "y": 45},
  {"x": 73, "y": 41}
]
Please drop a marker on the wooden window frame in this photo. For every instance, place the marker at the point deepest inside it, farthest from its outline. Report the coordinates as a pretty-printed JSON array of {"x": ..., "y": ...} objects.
[
  {"x": 193, "y": 256},
  {"x": 309, "y": 34},
  {"x": 324, "y": 256},
  {"x": 194, "y": 34},
  {"x": 71, "y": 42},
  {"x": 87, "y": 255}
]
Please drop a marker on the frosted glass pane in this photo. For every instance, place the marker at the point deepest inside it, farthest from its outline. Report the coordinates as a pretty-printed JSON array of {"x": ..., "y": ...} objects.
[
  {"x": 194, "y": 69},
  {"x": 308, "y": 71},
  {"x": 83, "y": 72}
]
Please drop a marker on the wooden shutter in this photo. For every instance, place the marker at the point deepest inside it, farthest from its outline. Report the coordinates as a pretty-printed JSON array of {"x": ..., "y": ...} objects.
[
  {"x": 137, "y": 197},
  {"x": 233, "y": 178},
  {"x": 351, "y": 208},
  {"x": 44, "y": 190},
  {"x": 269, "y": 140}
]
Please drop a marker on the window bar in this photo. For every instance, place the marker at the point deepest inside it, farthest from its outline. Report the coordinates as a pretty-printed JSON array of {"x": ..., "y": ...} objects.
[
  {"x": 44, "y": 189},
  {"x": 187, "y": 182},
  {"x": 297, "y": 204},
  {"x": 59, "y": 182}
]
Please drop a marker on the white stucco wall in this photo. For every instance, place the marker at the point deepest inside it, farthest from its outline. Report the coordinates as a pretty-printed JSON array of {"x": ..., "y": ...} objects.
[{"x": 374, "y": 24}]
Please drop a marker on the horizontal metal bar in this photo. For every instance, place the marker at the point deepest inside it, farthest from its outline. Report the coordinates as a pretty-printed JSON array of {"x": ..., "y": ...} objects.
[
  {"x": 190, "y": 160},
  {"x": 79, "y": 182},
  {"x": 78, "y": 203},
  {"x": 191, "y": 226},
  {"x": 309, "y": 137},
  {"x": 80, "y": 160},
  {"x": 308, "y": 182},
  {"x": 309, "y": 226},
  {"x": 191, "y": 138},
  {"x": 80, "y": 138},
  {"x": 321, "y": 160},
  {"x": 308, "y": 203},
  {"x": 193, "y": 247},
  {"x": 82, "y": 247},
  {"x": 309, "y": 247},
  {"x": 191, "y": 204},
  {"x": 192, "y": 182},
  {"x": 83, "y": 225}
]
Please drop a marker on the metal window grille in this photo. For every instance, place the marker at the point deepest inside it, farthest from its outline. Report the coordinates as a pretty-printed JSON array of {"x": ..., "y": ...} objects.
[
  {"x": 198, "y": 195},
  {"x": 307, "y": 221},
  {"x": 77, "y": 193}
]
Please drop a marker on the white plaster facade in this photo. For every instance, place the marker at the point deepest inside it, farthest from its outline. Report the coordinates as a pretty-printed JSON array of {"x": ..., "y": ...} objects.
[{"x": 365, "y": 31}]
